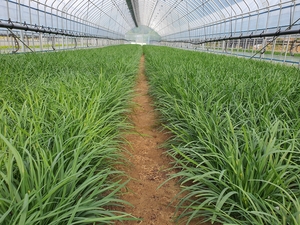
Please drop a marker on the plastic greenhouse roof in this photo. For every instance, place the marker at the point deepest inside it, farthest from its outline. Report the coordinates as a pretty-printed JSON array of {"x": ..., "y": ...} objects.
[{"x": 171, "y": 19}]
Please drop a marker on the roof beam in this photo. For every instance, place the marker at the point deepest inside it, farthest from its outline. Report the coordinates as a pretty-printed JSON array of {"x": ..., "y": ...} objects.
[{"x": 130, "y": 7}]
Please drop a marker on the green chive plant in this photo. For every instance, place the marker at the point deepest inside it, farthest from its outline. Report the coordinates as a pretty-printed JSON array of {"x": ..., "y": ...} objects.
[
  {"x": 61, "y": 117},
  {"x": 236, "y": 143}
]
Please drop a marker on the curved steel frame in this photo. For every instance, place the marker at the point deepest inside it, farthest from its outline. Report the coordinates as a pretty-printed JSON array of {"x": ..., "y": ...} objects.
[{"x": 173, "y": 20}]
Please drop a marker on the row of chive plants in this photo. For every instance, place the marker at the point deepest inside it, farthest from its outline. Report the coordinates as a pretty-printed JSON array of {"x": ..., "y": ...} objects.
[
  {"x": 61, "y": 119},
  {"x": 236, "y": 143}
]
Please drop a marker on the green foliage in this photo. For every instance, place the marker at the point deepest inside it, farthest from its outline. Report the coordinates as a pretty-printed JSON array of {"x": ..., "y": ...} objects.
[
  {"x": 236, "y": 134},
  {"x": 61, "y": 116}
]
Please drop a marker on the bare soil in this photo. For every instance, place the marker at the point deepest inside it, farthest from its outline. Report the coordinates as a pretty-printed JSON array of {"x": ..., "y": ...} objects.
[{"x": 147, "y": 165}]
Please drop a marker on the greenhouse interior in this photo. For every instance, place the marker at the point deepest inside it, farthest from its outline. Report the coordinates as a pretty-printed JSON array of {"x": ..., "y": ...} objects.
[
  {"x": 155, "y": 112},
  {"x": 257, "y": 29}
]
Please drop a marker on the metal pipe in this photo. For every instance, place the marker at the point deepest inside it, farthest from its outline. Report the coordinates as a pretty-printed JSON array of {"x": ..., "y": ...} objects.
[
  {"x": 261, "y": 35},
  {"x": 47, "y": 30}
]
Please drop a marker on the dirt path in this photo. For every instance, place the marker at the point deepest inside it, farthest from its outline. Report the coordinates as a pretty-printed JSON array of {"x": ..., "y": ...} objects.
[{"x": 147, "y": 164}]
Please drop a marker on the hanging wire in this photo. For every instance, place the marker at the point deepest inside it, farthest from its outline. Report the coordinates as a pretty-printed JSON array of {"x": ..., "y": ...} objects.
[
  {"x": 53, "y": 43},
  {"x": 16, "y": 38},
  {"x": 263, "y": 49}
]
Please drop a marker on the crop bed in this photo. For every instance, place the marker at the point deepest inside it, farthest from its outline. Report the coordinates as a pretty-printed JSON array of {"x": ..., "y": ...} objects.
[
  {"x": 235, "y": 126},
  {"x": 61, "y": 117},
  {"x": 236, "y": 143}
]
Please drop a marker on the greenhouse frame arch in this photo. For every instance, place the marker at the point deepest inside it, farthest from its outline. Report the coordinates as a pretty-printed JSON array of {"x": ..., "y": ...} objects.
[{"x": 266, "y": 29}]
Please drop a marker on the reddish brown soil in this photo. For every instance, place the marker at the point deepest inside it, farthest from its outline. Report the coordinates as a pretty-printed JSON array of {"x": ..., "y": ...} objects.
[{"x": 147, "y": 164}]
